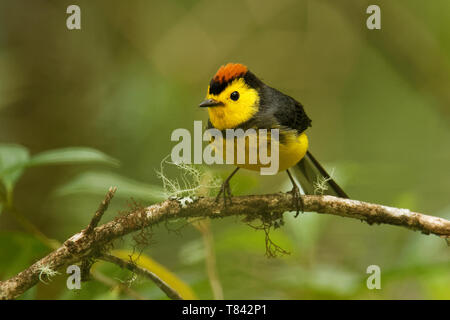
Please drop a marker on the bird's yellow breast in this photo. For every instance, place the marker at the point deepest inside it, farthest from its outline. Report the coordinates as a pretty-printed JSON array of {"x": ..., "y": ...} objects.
[{"x": 291, "y": 150}]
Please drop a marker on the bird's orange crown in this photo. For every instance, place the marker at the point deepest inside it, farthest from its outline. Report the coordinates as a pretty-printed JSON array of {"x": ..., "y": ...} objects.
[
  {"x": 225, "y": 75},
  {"x": 230, "y": 71}
]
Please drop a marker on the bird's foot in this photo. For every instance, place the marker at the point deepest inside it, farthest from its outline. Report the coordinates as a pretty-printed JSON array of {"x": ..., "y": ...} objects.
[
  {"x": 225, "y": 192},
  {"x": 298, "y": 200}
]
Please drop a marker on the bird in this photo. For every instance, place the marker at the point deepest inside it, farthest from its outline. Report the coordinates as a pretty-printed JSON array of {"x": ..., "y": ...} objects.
[{"x": 237, "y": 99}]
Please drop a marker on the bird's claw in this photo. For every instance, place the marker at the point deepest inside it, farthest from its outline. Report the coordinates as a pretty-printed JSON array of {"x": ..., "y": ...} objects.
[
  {"x": 225, "y": 191},
  {"x": 297, "y": 197}
]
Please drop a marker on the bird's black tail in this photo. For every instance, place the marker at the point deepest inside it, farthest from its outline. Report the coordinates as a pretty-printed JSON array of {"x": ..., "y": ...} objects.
[{"x": 314, "y": 179}]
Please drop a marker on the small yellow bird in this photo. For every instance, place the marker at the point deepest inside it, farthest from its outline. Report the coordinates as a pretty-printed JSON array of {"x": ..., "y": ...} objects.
[{"x": 236, "y": 98}]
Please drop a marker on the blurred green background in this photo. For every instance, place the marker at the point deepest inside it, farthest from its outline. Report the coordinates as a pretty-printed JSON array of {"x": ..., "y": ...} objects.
[{"x": 379, "y": 101}]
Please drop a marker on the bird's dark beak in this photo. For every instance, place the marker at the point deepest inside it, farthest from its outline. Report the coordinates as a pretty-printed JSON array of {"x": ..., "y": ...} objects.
[{"x": 210, "y": 103}]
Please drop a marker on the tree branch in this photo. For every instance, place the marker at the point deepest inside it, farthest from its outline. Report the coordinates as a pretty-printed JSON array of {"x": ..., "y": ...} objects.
[
  {"x": 269, "y": 207},
  {"x": 101, "y": 210}
]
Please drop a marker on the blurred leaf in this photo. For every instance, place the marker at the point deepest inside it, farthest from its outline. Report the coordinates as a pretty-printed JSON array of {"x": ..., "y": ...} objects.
[
  {"x": 113, "y": 294},
  {"x": 162, "y": 272},
  {"x": 333, "y": 279},
  {"x": 97, "y": 183},
  {"x": 73, "y": 155},
  {"x": 17, "y": 251},
  {"x": 13, "y": 158},
  {"x": 437, "y": 285},
  {"x": 192, "y": 252}
]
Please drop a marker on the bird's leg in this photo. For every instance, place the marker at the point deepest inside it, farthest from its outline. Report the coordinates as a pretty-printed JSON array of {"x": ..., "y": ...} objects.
[
  {"x": 296, "y": 195},
  {"x": 225, "y": 190}
]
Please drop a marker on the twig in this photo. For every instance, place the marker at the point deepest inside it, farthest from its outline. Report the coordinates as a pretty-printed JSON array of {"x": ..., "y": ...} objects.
[
  {"x": 32, "y": 229},
  {"x": 55, "y": 244},
  {"x": 171, "y": 293},
  {"x": 204, "y": 227},
  {"x": 266, "y": 207},
  {"x": 101, "y": 210}
]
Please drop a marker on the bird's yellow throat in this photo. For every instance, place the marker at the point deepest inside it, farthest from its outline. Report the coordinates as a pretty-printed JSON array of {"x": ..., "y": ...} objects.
[{"x": 233, "y": 113}]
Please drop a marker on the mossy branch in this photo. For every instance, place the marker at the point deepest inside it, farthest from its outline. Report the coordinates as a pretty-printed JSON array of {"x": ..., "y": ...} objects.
[{"x": 268, "y": 208}]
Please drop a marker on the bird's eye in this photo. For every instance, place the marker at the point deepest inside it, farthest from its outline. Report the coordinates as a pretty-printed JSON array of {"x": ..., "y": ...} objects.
[{"x": 234, "y": 95}]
